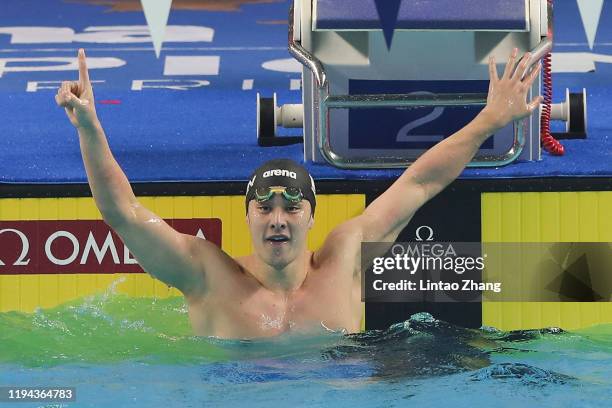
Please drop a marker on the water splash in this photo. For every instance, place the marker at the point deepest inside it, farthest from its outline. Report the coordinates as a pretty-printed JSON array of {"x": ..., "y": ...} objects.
[
  {"x": 113, "y": 328},
  {"x": 522, "y": 373}
]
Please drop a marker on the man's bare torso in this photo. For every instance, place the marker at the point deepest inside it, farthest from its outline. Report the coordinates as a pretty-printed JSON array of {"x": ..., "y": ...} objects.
[{"x": 240, "y": 307}]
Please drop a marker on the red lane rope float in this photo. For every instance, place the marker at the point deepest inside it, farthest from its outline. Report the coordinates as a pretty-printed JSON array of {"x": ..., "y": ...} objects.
[{"x": 549, "y": 143}]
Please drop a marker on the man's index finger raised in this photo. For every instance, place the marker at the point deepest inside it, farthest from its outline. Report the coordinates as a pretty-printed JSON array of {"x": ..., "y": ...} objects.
[{"x": 83, "y": 73}]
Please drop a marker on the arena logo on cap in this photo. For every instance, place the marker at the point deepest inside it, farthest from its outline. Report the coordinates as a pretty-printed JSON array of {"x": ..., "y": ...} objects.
[
  {"x": 280, "y": 172},
  {"x": 251, "y": 183}
]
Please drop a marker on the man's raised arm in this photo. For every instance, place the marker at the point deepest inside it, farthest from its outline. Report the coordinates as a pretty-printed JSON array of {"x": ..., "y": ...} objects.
[
  {"x": 109, "y": 185},
  {"x": 159, "y": 249},
  {"x": 385, "y": 218}
]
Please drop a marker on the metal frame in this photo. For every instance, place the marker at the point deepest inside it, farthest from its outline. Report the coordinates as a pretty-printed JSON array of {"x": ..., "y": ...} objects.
[{"x": 323, "y": 102}]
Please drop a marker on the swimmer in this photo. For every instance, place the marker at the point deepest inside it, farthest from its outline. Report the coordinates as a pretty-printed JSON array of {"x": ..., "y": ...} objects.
[{"x": 282, "y": 286}]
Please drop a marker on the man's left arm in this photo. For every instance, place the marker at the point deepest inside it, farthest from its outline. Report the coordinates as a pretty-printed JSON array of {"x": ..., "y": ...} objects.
[{"x": 385, "y": 218}]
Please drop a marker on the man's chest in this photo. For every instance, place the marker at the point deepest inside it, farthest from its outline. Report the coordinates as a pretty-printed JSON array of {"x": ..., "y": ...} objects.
[{"x": 319, "y": 304}]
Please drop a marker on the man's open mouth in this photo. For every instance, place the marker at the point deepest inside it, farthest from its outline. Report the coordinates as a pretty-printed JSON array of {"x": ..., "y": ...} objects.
[{"x": 277, "y": 238}]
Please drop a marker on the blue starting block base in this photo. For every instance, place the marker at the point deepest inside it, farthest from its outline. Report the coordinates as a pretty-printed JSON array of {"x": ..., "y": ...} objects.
[{"x": 415, "y": 128}]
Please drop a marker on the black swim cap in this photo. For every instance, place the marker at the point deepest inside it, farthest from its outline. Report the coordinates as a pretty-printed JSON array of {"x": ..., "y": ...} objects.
[{"x": 284, "y": 173}]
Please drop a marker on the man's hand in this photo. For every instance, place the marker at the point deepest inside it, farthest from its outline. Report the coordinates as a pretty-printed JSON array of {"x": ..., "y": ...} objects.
[
  {"x": 506, "y": 101},
  {"x": 77, "y": 98}
]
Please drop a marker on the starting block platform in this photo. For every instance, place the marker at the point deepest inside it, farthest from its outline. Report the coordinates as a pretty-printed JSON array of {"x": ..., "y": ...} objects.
[
  {"x": 506, "y": 15},
  {"x": 369, "y": 102}
]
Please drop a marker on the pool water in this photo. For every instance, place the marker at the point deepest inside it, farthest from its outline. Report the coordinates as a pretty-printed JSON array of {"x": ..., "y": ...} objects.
[{"x": 122, "y": 352}]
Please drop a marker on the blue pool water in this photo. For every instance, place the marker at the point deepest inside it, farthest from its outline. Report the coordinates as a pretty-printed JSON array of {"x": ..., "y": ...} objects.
[{"x": 123, "y": 352}]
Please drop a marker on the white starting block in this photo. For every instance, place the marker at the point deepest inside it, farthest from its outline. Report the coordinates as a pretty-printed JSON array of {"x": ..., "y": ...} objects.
[{"x": 367, "y": 106}]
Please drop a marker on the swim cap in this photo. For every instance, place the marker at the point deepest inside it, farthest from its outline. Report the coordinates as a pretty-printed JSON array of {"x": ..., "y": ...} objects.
[{"x": 285, "y": 173}]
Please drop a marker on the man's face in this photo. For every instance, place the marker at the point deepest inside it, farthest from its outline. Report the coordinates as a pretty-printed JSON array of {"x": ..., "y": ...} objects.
[{"x": 279, "y": 229}]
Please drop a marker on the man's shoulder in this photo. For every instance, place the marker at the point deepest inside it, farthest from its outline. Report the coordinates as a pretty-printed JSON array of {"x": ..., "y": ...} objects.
[
  {"x": 215, "y": 266},
  {"x": 342, "y": 244},
  {"x": 345, "y": 236},
  {"x": 245, "y": 262}
]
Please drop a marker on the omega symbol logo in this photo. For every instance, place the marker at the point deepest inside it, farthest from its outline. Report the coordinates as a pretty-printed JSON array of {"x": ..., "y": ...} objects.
[{"x": 427, "y": 228}]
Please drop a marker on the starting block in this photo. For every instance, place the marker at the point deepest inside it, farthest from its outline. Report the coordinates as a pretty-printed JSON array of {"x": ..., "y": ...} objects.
[{"x": 367, "y": 105}]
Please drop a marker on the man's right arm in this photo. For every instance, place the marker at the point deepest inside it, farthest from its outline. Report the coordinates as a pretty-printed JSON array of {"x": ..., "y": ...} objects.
[{"x": 170, "y": 256}]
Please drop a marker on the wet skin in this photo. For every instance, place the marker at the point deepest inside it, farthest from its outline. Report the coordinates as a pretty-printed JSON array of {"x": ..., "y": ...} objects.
[{"x": 282, "y": 286}]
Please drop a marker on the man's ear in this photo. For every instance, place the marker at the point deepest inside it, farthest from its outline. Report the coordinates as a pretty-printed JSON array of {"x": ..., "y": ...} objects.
[{"x": 311, "y": 222}]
